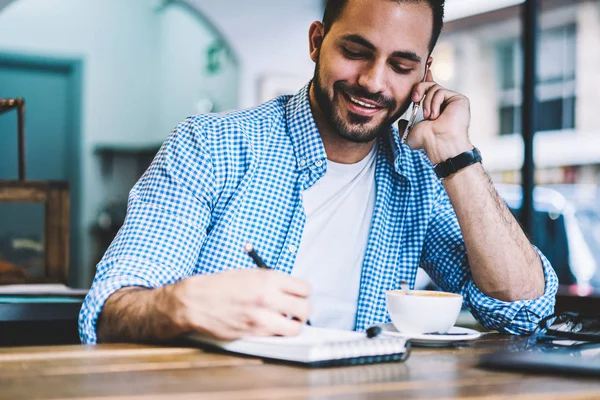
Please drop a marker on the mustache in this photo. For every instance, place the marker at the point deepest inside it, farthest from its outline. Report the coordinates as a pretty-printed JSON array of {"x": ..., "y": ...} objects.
[{"x": 354, "y": 91}]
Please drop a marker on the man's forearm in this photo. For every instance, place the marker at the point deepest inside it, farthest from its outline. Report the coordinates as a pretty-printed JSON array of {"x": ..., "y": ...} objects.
[
  {"x": 136, "y": 314},
  {"x": 504, "y": 265}
]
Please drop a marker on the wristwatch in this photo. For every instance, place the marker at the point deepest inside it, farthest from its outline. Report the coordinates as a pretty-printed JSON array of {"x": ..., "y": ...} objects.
[{"x": 455, "y": 164}]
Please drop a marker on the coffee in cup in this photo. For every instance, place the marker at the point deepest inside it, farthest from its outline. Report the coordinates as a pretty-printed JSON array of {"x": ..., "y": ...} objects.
[{"x": 423, "y": 311}]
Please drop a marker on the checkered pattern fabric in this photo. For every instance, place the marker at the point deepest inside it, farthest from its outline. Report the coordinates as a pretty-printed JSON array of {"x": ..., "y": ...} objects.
[{"x": 221, "y": 180}]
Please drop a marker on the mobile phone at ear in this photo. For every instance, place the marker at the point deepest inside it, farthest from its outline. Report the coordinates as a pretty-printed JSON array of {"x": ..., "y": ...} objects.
[{"x": 415, "y": 112}]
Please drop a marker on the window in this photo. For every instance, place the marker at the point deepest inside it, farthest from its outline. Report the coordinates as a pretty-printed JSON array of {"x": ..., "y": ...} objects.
[{"x": 555, "y": 88}]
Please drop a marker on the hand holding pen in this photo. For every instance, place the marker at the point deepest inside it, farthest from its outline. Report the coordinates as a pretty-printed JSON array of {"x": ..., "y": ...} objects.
[
  {"x": 251, "y": 251},
  {"x": 228, "y": 305}
]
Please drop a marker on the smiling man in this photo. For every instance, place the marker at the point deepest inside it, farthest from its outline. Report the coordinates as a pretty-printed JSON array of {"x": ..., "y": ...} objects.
[{"x": 335, "y": 203}]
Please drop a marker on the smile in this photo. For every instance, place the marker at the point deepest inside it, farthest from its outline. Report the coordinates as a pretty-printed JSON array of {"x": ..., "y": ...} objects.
[
  {"x": 361, "y": 107},
  {"x": 361, "y": 103}
]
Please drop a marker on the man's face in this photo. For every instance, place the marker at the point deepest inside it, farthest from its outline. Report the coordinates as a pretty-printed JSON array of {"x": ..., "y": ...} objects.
[{"x": 368, "y": 63}]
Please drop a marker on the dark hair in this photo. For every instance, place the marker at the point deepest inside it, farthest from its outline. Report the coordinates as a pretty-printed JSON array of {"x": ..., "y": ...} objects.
[{"x": 334, "y": 8}]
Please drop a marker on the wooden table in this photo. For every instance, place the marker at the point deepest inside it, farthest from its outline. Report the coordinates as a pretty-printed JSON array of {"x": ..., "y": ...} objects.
[{"x": 115, "y": 372}]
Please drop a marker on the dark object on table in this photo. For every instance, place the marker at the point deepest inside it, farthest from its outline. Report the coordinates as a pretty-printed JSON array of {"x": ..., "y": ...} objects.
[
  {"x": 583, "y": 361},
  {"x": 42, "y": 321},
  {"x": 575, "y": 326},
  {"x": 566, "y": 343}
]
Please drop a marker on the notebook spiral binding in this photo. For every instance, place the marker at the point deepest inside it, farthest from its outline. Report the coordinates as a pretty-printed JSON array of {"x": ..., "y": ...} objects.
[{"x": 368, "y": 351}]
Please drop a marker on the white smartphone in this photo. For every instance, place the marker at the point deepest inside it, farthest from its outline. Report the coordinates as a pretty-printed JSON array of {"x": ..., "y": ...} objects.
[{"x": 415, "y": 112}]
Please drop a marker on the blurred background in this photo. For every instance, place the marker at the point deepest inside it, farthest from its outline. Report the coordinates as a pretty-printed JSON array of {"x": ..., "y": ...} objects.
[{"x": 105, "y": 82}]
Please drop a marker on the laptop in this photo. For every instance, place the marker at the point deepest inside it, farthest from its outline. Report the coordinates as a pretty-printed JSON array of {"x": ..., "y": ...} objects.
[{"x": 579, "y": 360}]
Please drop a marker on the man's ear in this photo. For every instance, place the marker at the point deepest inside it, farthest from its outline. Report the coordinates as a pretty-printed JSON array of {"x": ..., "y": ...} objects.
[{"x": 316, "y": 34}]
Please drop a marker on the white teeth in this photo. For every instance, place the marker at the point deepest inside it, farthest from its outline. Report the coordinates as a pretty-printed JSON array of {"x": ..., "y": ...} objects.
[{"x": 361, "y": 103}]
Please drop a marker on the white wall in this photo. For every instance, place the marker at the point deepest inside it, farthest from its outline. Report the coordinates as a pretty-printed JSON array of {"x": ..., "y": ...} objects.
[
  {"x": 269, "y": 36},
  {"x": 118, "y": 85},
  {"x": 137, "y": 83},
  {"x": 184, "y": 79}
]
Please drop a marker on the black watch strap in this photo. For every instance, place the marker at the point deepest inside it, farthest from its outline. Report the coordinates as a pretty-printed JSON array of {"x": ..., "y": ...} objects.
[{"x": 455, "y": 164}]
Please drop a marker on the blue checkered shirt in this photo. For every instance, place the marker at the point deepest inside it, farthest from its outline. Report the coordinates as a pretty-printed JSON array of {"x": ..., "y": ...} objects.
[{"x": 222, "y": 180}]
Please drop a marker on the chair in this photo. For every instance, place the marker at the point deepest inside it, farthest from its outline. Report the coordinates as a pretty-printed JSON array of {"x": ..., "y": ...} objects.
[{"x": 55, "y": 197}]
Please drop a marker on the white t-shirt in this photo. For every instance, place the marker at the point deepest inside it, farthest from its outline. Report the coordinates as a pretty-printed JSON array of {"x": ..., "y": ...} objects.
[{"x": 338, "y": 209}]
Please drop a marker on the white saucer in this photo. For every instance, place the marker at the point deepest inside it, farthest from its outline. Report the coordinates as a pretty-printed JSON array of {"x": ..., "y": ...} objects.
[{"x": 434, "y": 340}]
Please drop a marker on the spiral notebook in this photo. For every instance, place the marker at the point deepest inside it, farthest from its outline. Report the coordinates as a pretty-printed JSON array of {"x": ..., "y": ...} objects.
[{"x": 316, "y": 347}]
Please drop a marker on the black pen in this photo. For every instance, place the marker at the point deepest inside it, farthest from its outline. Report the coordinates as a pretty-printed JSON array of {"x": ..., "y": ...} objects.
[{"x": 248, "y": 248}]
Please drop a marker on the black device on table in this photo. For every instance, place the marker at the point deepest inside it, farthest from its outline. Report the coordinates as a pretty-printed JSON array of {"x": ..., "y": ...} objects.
[
  {"x": 566, "y": 343},
  {"x": 582, "y": 361}
]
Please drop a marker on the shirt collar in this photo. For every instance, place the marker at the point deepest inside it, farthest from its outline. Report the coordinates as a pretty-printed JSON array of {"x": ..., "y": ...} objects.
[
  {"x": 308, "y": 145},
  {"x": 401, "y": 159},
  {"x": 303, "y": 131}
]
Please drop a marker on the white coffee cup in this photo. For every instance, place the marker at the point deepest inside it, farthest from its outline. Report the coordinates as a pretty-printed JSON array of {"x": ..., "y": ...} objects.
[{"x": 423, "y": 311}]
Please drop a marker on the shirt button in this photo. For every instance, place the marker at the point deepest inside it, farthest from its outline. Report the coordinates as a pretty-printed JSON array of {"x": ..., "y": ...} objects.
[
  {"x": 302, "y": 163},
  {"x": 318, "y": 163},
  {"x": 292, "y": 248}
]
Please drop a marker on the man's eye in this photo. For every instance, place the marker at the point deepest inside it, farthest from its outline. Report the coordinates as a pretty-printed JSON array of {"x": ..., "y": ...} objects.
[
  {"x": 400, "y": 70},
  {"x": 354, "y": 54}
]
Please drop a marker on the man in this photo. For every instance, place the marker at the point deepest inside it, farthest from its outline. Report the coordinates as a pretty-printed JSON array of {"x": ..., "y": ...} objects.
[{"x": 322, "y": 186}]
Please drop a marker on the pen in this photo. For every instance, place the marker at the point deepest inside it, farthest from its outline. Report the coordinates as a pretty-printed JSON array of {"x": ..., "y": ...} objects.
[
  {"x": 248, "y": 248},
  {"x": 373, "y": 331}
]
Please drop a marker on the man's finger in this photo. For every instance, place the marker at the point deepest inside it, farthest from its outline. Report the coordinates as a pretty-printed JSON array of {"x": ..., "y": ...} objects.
[
  {"x": 427, "y": 110},
  {"x": 416, "y": 138},
  {"x": 293, "y": 286},
  {"x": 420, "y": 91},
  {"x": 289, "y": 305},
  {"x": 436, "y": 103},
  {"x": 270, "y": 323}
]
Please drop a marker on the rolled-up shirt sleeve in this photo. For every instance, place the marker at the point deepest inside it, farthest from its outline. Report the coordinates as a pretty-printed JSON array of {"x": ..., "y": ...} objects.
[
  {"x": 168, "y": 213},
  {"x": 444, "y": 258}
]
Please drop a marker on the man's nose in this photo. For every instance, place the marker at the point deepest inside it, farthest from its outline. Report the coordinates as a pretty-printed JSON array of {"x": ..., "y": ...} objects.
[{"x": 372, "y": 78}]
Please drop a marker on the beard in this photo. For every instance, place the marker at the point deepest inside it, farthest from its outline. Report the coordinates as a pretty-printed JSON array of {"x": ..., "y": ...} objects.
[{"x": 349, "y": 126}]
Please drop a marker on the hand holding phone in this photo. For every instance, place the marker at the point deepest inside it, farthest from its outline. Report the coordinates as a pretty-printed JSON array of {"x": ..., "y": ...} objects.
[
  {"x": 415, "y": 112},
  {"x": 444, "y": 133}
]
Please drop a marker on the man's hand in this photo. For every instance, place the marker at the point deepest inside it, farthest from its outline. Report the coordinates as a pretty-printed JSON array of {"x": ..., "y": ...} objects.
[
  {"x": 444, "y": 131},
  {"x": 502, "y": 261},
  {"x": 242, "y": 302},
  {"x": 226, "y": 305}
]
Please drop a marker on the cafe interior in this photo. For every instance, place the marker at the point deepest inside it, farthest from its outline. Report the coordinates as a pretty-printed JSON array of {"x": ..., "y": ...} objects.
[{"x": 90, "y": 90}]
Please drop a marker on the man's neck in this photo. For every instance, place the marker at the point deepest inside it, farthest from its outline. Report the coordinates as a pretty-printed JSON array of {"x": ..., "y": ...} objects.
[{"x": 337, "y": 149}]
